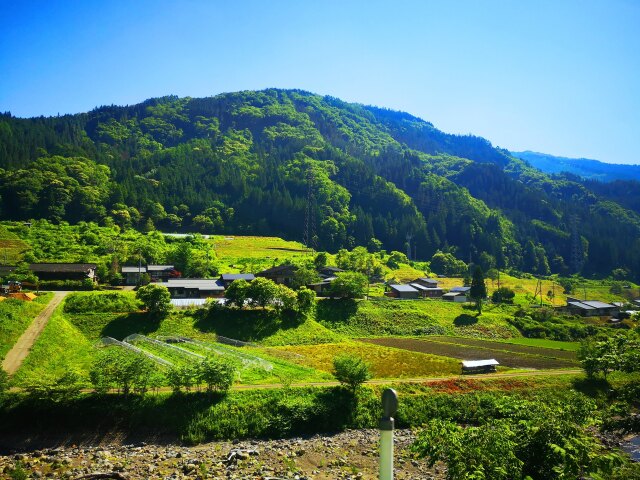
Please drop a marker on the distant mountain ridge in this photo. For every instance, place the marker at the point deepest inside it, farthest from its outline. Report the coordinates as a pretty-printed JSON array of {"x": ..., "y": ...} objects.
[
  {"x": 297, "y": 165},
  {"x": 583, "y": 167}
]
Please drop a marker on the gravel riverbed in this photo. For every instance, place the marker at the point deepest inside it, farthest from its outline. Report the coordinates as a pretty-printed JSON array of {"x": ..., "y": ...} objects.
[{"x": 352, "y": 454}]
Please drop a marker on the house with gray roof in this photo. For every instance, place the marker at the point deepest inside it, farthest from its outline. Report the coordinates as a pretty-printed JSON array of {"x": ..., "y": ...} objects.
[
  {"x": 403, "y": 291},
  {"x": 591, "y": 308}
]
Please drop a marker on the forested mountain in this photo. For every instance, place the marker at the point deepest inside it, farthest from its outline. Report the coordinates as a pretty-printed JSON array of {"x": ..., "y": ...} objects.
[
  {"x": 286, "y": 162},
  {"x": 582, "y": 167}
]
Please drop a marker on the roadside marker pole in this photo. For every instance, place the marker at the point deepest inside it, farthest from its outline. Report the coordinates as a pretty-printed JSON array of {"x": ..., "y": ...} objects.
[{"x": 389, "y": 408}]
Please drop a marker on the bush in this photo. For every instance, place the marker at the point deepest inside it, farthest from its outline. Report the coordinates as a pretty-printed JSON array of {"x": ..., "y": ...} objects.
[
  {"x": 349, "y": 285},
  {"x": 122, "y": 369},
  {"x": 237, "y": 293},
  {"x": 503, "y": 294},
  {"x": 216, "y": 374},
  {"x": 100, "y": 302},
  {"x": 351, "y": 371},
  {"x": 4, "y": 382},
  {"x": 306, "y": 299},
  {"x": 155, "y": 298}
]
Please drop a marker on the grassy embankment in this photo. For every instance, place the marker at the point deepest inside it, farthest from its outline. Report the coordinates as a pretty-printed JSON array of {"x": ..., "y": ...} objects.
[
  {"x": 11, "y": 247},
  {"x": 15, "y": 317},
  {"x": 198, "y": 417}
]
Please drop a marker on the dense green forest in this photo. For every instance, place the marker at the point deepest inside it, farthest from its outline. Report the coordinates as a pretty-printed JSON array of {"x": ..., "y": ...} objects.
[{"x": 301, "y": 166}]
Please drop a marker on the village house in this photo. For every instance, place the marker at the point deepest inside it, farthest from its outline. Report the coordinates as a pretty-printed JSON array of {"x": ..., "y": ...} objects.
[
  {"x": 590, "y": 308},
  {"x": 402, "y": 291},
  {"x": 64, "y": 271},
  {"x": 430, "y": 292},
  {"x": 132, "y": 274},
  {"x": 282, "y": 274},
  {"x": 427, "y": 282},
  {"x": 321, "y": 288},
  {"x": 194, "y": 287},
  {"x": 162, "y": 273},
  {"x": 228, "y": 278}
]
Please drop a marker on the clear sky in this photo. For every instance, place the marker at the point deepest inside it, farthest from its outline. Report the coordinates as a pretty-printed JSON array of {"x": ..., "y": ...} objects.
[{"x": 560, "y": 77}]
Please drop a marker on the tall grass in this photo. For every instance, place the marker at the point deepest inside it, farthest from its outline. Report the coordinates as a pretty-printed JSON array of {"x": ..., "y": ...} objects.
[{"x": 15, "y": 316}]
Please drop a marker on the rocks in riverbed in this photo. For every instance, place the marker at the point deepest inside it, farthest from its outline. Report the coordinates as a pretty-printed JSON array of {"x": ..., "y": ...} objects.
[{"x": 352, "y": 454}]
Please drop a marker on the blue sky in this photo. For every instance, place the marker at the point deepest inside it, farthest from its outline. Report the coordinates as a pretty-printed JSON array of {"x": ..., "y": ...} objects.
[{"x": 560, "y": 77}]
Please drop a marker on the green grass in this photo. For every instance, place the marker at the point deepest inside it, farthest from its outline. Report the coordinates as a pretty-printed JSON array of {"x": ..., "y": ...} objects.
[
  {"x": 59, "y": 348},
  {"x": 384, "y": 362},
  {"x": 15, "y": 317},
  {"x": 101, "y": 302},
  {"x": 413, "y": 317},
  {"x": 251, "y": 253},
  {"x": 542, "y": 342},
  {"x": 11, "y": 247}
]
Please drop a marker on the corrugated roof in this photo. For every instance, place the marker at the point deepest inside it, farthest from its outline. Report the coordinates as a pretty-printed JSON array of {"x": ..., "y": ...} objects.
[
  {"x": 480, "y": 363},
  {"x": 403, "y": 288},
  {"x": 199, "y": 283},
  {"x": 159, "y": 268},
  {"x": 62, "y": 267},
  {"x": 581, "y": 305},
  {"x": 129, "y": 269},
  {"x": 428, "y": 280},
  {"x": 598, "y": 304},
  {"x": 454, "y": 294},
  {"x": 417, "y": 286},
  {"x": 238, "y": 276},
  {"x": 460, "y": 289}
]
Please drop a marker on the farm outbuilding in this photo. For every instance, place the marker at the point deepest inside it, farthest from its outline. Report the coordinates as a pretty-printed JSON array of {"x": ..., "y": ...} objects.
[
  {"x": 591, "y": 308},
  {"x": 479, "y": 366},
  {"x": 455, "y": 297},
  {"x": 431, "y": 292}
]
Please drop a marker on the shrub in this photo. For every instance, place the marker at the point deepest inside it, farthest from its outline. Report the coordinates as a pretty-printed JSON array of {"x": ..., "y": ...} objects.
[
  {"x": 351, "y": 371},
  {"x": 4, "y": 382},
  {"x": 117, "y": 368},
  {"x": 503, "y": 294},
  {"x": 236, "y": 294},
  {"x": 349, "y": 285},
  {"x": 216, "y": 374},
  {"x": 100, "y": 302},
  {"x": 155, "y": 298},
  {"x": 306, "y": 299}
]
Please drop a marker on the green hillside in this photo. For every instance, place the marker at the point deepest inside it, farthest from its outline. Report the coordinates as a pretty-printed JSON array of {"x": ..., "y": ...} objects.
[{"x": 296, "y": 165}]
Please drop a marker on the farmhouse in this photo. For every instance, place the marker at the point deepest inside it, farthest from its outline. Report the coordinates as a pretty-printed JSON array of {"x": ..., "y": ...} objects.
[
  {"x": 328, "y": 272},
  {"x": 427, "y": 282},
  {"x": 162, "y": 273},
  {"x": 227, "y": 278},
  {"x": 132, "y": 274},
  {"x": 403, "y": 291},
  {"x": 194, "y": 287},
  {"x": 590, "y": 308},
  {"x": 64, "y": 271},
  {"x": 455, "y": 297},
  {"x": 464, "y": 290},
  {"x": 321, "y": 288},
  {"x": 479, "y": 366},
  {"x": 431, "y": 292},
  {"x": 281, "y": 274}
]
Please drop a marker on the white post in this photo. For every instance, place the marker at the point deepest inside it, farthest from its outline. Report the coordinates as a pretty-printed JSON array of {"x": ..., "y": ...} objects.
[
  {"x": 386, "y": 454},
  {"x": 389, "y": 406}
]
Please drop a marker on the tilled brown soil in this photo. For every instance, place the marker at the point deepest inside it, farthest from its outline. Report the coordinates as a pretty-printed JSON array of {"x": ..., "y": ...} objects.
[{"x": 506, "y": 359}]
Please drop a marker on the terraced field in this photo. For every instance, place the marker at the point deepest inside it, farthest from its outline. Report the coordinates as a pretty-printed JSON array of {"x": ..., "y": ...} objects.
[
  {"x": 512, "y": 356},
  {"x": 524, "y": 349}
]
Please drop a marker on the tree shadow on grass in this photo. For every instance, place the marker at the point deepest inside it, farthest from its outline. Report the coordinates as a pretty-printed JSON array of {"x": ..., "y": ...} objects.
[
  {"x": 336, "y": 311},
  {"x": 246, "y": 325},
  {"x": 127, "y": 324},
  {"x": 464, "y": 320},
  {"x": 592, "y": 387}
]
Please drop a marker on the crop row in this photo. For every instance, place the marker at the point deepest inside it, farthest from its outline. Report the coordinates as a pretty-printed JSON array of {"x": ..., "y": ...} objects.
[
  {"x": 507, "y": 359},
  {"x": 524, "y": 349}
]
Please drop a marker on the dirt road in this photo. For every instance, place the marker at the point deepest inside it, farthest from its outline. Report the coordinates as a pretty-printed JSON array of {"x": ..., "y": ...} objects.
[{"x": 23, "y": 346}]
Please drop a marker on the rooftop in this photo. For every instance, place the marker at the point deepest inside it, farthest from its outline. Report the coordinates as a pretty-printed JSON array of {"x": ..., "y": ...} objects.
[
  {"x": 403, "y": 288},
  {"x": 62, "y": 267},
  {"x": 480, "y": 363},
  {"x": 238, "y": 276}
]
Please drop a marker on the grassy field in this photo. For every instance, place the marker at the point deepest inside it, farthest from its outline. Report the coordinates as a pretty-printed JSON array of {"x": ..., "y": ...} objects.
[
  {"x": 249, "y": 253},
  {"x": 544, "y": 343},
  {"x": 509, "y": 356},
  {"x": 61, "y": 347},
  {"x": 11, "y": 247},
  {"x": 510, "y": 347},
  {"x": 384, "y": 362},
  {"x": 414, "y": 317},
  {"x": 15, "y": 317},
  {"x": 525, "y": 289}
]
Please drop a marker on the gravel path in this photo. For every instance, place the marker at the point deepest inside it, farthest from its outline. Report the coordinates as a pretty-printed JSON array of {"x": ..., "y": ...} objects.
[{"x": 23, "y": 346}]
